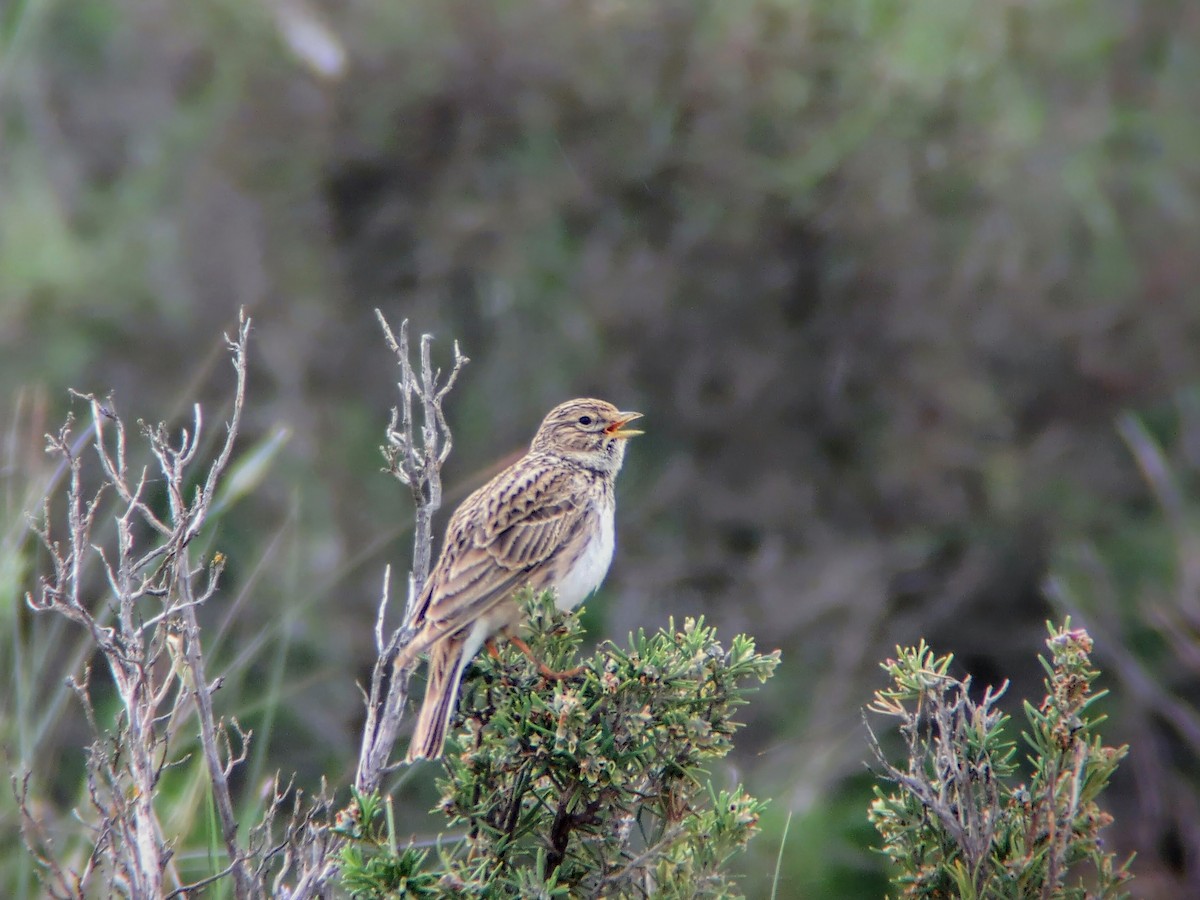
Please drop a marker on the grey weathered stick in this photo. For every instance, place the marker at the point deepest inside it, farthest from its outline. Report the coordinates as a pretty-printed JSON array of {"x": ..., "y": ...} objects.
[
  {"x": 127, "y": 813},
  {"x": 123, "y": 780},
  {"x": 418, "y": 464},
  {"x": 188, "y": 519}
]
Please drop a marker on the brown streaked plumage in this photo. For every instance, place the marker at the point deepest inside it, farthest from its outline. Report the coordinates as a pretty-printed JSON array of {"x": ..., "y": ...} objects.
[{"x": 546, "y": 521}]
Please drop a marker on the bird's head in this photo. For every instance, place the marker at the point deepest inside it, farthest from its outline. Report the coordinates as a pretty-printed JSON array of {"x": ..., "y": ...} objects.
[{"x": 588, "y": 431}]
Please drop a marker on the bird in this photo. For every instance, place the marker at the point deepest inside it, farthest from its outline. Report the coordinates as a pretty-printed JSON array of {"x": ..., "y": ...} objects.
[{"x": 545, "y": 522}]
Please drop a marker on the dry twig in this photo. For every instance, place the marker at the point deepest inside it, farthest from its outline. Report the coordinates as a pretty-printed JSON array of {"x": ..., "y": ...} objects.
[
  {"x": 148, "y": 634},
  {"x": 418, "y": 464},
  {"x": 153, "y": 589}
]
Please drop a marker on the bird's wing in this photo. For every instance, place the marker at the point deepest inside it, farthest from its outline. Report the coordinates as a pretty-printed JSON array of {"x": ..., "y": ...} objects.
[{"x": 499, "y": 539}]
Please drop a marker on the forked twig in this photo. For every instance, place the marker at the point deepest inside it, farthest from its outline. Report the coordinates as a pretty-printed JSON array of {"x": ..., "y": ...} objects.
[{"x": 418, "y": 464}]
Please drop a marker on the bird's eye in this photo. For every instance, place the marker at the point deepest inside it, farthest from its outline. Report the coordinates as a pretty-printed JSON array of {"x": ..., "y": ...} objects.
[{"x": 585, "y": 420}]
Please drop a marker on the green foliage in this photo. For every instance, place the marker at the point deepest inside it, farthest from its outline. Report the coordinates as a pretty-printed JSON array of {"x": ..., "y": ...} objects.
[
  {"x": 593, "y": 785},
  {"x": 368, "y": 824},
  {"x": 955, "y": 823}
]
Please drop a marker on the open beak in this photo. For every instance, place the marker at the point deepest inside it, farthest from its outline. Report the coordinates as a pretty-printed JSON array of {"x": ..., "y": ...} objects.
[{"x": 618, "y": 430}]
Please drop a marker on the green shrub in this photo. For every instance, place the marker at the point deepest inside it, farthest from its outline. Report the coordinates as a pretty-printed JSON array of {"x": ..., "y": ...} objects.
[
  {"x": 592, "y": 786},
  {"x": 959, "y": 821}
]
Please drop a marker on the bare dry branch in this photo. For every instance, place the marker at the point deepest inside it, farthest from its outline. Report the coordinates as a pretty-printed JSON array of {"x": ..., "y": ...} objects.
[
  {"x": 125, "y": 762},
  {"x": 418, "y": 465},
  {"x": 135, "y": 588}
]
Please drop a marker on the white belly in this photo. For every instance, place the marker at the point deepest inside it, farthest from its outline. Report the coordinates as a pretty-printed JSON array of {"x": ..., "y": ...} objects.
[{"x": 591, "y": 567}]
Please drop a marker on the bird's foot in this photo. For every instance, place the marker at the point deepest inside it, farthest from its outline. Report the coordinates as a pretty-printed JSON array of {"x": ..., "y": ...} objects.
[{"x": 544, "y": 670}]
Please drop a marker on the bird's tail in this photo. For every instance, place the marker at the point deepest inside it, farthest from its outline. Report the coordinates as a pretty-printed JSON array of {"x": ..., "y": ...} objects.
[{"x": 447, "y": 660}]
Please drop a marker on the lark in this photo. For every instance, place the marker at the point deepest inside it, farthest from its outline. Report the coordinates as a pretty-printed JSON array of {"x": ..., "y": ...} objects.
[{"x": 545, "y": 522}]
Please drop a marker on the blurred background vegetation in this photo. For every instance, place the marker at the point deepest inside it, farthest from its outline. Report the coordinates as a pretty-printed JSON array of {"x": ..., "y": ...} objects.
[{"x": 907, "y": 292}]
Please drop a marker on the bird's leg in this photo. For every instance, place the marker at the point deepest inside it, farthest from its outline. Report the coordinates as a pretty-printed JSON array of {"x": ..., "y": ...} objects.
[{"x": 546, "y": 672}]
